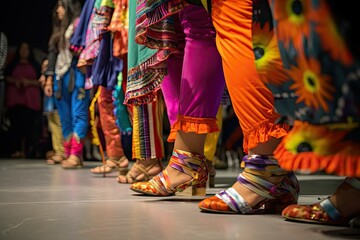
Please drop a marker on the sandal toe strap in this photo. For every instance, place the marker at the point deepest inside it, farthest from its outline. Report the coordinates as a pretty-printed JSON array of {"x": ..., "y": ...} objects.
[
  {"x": 143, "y": 170},
  {"x": 162, "y": 184},
  {"x": 115, "y": 161},
  {"x": 235, "y": 201}
]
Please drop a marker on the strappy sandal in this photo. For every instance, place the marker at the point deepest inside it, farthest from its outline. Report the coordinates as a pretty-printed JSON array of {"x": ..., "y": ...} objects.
[
  {"x": 276, "y": 197},
  {"x": 72, "y": 162},
  {"x": 143, "y": 171},
  {"x": 112, "y": 163},
  {"x": 188, "y": 163},
  {"x": 55, "y": 159},
  {"x": 323, "y": 212}
]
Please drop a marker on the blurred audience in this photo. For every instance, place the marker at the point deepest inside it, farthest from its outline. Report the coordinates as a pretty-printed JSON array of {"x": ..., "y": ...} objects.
[{"x": 23, "y": 102}]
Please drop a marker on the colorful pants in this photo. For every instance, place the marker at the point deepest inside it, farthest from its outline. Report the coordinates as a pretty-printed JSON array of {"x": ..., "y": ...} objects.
[
  {"x": 73, "y": 106},
  {"x": 148, "y": 130},
  {"x": 213, "y": 138},
  {"x": 108, "y": 123},
  {"x": 252, "y": 101},
  {"x": 195, "y": 83},
  {"x": 56, "y": 134}
]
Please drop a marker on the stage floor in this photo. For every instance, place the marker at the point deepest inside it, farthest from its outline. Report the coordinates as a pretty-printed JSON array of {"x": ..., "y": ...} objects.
[{"x": 38, "y": 201}]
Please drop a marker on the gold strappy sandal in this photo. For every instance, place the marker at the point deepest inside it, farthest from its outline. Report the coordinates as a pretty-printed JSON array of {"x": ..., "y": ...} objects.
[
  {"x": 111, "y": 164},
  {"x": 55, "y": 159},
  {"x": 143, "y": 171},
  {"x": 72, "y": 162}
]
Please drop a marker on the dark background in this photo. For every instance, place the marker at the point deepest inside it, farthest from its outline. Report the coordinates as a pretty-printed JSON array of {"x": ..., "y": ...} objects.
[
  {"x": 27, "y": 20},
  {"x": 30, "y": 21}
]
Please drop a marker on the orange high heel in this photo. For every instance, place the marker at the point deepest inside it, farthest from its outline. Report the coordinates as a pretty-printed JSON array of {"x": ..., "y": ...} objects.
[
  {"x": 276, "y": 197},
  {"x": 191, "y": 164}
]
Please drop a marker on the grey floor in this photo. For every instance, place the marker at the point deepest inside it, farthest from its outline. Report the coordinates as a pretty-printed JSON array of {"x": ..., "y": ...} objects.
[{"x": 38, "y": 201}]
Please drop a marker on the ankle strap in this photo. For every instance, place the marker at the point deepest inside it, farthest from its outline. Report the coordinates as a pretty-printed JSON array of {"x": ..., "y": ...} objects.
[
  {"x": 260, "y": 165},
  {"x": 330, "y": 209},
  {"x": 187, "y": 162},
  {"x": 354, "y": 182}
]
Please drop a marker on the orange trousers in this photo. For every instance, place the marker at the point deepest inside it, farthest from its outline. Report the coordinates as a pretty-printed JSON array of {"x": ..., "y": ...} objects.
[{"x": 252, "y": 101}]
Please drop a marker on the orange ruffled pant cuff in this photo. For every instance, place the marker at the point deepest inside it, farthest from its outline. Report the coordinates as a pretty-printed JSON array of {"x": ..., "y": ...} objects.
[{"x": 192, "y": 124}]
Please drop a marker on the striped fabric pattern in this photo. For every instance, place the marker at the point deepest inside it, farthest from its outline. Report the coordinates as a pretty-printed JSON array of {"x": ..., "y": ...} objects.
[{"x": 147, "y": 130}]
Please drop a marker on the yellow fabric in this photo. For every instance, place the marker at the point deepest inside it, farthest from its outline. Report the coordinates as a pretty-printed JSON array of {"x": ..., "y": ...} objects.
[
  {"x": 95, "y": 136},
  {"x": 107, "y": 3},
  {"x": 56, "y": 133},
  {"x": 204, "y": 3},
  {"x": 212, "y": 138},
  {"x": 147, "y": 138}
]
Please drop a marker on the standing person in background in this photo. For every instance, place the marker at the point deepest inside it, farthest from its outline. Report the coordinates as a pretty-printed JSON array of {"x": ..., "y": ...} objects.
[
  {"x": 54, "y": 123},
  {"x": 67, "y": 82},
  {"x": 57, "y": 154},
  {"x": 23, "y": 101}
]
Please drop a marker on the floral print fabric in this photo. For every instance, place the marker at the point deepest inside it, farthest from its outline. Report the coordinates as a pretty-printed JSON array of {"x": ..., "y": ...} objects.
[{"x": 303, "y": 57}]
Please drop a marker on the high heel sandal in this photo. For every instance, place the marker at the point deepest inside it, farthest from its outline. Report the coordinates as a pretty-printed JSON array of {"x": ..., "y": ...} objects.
[
  {"x": 191, "y": 164},
  {"x": 276, "y": 197},
  {"x": 323, "y": 212},
  {"x": 111, "y": 164},
  {"x": 129, "y": 178}
]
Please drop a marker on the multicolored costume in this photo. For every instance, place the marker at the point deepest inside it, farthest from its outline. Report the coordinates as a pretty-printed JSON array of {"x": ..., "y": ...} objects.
[
  {"x": 235, "y": 23},
  {"x": 318, "y": 44},
  {"x": 311, "y": 71},
  {"x": 178, "y": 21},
  {"x": 318, "y": 89},
  {"x": 177, "y": 33},
  {"x": 103, "y": 69},
  {"x": 71, "y": 97},
  {"x": 147, "y": 118}
]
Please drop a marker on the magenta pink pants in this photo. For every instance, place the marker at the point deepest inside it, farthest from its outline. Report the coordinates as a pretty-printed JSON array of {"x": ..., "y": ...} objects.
[{"x": 195, "y": 81}]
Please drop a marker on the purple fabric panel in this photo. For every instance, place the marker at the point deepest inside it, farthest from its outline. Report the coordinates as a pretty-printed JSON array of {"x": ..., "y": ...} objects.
[
  {"x": 195, "y": 80},
  {"x": 202, "y": 81}
]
